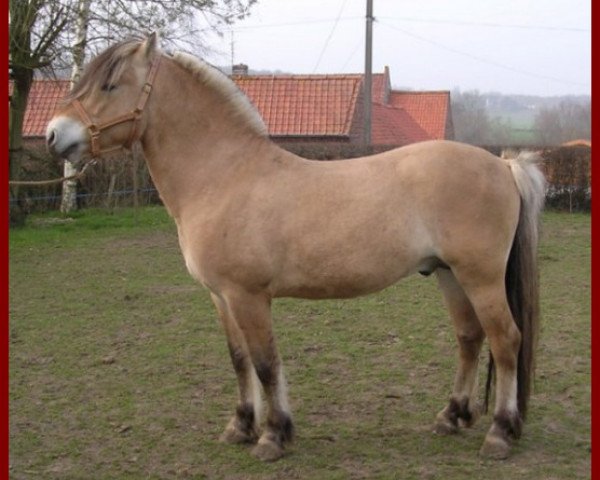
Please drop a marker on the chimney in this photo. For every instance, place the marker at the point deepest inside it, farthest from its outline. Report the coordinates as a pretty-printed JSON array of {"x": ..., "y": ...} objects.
[{"x": 241, "y": 69}]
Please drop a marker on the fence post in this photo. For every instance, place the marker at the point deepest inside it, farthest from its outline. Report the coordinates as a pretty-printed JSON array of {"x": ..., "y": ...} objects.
[
  {"x": 135, "y": 182},
  {"x": 111, "y": 188}
]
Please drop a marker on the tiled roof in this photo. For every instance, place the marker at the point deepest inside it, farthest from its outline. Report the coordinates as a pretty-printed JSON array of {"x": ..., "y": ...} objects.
[
  {"x": 291, "y": 105},
  {"x": 580, "y": 142},
  {"x": 429, "y": 109},
  {"x": 394, "y": 126},
  {"x": 44, "y": 98},
  {"x": 379, "y": 85},
  {"x": 304, "y": 105}
]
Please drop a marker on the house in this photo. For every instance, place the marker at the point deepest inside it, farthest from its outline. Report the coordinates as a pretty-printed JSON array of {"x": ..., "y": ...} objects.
[
  {"x": 44, "y": 98},
  {"x": 306, "y": 108},
  {"x": 330, "y": 109}
]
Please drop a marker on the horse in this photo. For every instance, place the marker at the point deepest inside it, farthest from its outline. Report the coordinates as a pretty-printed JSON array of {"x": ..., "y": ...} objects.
[{"x": 256, "y": 222}]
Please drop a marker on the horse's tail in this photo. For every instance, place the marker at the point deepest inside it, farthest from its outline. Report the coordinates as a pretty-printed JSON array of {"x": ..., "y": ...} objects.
[{"x": 522, "y": 280}]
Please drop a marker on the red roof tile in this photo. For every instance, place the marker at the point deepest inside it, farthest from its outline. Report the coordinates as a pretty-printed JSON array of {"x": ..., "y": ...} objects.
[
  {"x": 291, "y": 105},
  {"x": 394, "y": 126},
  {"x": 43, "y": 100},
  {"x": 429, "y": 109}
]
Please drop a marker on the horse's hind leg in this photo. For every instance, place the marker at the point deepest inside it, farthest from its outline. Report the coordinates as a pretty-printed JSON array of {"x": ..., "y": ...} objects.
[
  {"x": 463, "y": 408},
  {"x": 242, "y": 428},
  {"x": 488, "y": 297},
  {"x": 253, "y": 315}
]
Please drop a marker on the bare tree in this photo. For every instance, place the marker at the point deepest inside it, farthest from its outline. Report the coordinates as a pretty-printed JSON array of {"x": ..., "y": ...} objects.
[
  {"x": 109, "y": 20},
  {"x": 470, "y": 117},
  {"x": 34, "y": 26},
  {"x": 567, "y": 121},
  {"x": 176, "y": 20},
  {"x": 44, "y": 34}
]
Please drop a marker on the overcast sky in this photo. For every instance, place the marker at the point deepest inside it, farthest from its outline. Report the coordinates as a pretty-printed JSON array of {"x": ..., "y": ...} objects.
[{"x": 538, "y": 47}]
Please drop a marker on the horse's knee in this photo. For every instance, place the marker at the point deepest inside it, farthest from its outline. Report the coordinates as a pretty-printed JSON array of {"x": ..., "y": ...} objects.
[
  {"x": 266, "y": 372},
  {"x": 470, "y": 343},
  {"x": 239, "y": 358}
]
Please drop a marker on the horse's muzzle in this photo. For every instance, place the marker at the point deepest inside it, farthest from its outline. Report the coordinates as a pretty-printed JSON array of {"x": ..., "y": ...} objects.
[{"x": 65, "y": 138}]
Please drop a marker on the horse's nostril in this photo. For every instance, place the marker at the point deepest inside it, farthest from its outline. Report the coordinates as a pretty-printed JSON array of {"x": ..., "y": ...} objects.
[{"x": 50, "y": 138}]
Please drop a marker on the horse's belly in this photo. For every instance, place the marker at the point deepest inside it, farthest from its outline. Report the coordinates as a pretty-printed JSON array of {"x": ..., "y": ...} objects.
[{"x": 341, "y": 281}]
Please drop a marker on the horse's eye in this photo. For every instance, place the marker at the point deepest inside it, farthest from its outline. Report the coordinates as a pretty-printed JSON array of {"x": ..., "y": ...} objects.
[{"x": 107, "y": 87}]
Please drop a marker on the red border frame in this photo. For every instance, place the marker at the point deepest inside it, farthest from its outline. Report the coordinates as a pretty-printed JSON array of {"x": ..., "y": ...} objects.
[
  {"x": 595, "y": 329},
  {"x": 4, "y": 331}
]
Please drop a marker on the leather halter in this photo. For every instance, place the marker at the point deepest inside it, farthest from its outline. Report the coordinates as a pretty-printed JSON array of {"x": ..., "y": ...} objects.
[{"x": 134, "y": 116}]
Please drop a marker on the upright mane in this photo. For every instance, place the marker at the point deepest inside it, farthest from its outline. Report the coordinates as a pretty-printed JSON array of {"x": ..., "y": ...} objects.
[
  {"x": 216, "y": 80},
  {"x": 108, "y": 66}
]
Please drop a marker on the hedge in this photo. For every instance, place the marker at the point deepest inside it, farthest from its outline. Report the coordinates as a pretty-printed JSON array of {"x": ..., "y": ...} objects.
[{"x": 124, "y": 180}]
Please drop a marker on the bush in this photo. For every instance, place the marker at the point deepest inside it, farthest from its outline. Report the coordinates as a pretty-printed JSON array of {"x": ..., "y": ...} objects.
[
  {"x": 125, "y": 180},
  {"x": 568, "y": 172}
]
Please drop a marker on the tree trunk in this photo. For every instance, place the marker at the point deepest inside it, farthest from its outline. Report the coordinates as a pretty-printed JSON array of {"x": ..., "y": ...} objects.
[
  {"x": 69, "y": 187},
  {"x": 23, "y": 79}
]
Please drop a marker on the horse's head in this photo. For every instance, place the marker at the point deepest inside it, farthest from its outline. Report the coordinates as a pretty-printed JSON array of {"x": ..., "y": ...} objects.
[{"x": 104, "y": 111}]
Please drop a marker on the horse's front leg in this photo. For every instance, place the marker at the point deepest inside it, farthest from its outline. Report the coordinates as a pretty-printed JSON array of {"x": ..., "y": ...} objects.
[
  {"x": 253, "y": 315},
  {"x": 243, "y": 427}
]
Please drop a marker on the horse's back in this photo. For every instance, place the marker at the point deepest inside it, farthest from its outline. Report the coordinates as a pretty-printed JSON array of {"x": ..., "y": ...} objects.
[{"x": 355, "y": 226}]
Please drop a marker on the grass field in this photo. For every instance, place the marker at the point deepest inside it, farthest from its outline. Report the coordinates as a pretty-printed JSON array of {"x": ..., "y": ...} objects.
[{"x": 119, "y": 368}]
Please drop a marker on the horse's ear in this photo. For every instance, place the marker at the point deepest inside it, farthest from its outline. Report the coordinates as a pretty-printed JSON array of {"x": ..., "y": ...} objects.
[{"x": 151, "y": 46}]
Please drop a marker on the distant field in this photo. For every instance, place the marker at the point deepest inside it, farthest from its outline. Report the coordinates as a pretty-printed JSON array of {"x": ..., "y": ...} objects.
[
  {"x": 521, "y": 122},
  {"x": 521, "y": 119},
  {"x": 119, "y": 368}
]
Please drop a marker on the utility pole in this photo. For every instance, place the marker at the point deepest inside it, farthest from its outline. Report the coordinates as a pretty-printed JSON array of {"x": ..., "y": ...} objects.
[{"x": 368, "y": 73}]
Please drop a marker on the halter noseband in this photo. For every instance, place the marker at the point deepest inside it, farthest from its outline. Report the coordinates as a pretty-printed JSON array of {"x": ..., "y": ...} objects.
[{"x": 133, "y": 116}]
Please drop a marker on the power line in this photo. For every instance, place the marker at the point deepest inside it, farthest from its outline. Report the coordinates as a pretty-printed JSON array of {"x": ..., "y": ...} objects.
[
  {"x": 294, "y": 24},
  {"x": 330, "y": 35},
  {"x": 413, "y": 20},
  {"x": 481, "y": 59},
  {"x": 351, "y": 56},
  {"x": 488, "y": 24}
]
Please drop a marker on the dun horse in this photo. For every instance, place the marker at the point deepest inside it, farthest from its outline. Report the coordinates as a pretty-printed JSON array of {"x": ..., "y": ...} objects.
[{"x": 256, "y": 222}]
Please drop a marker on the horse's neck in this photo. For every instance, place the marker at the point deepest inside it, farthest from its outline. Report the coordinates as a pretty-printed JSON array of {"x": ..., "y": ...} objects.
[{"x": 193, "y": 149}]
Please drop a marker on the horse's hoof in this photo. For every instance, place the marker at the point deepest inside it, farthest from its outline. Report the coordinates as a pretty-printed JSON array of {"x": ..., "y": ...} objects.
[
  {"x": 495, "y": 448},
  {"x": 444, "y": 427},
  {"x": 267, "y": 451},
  {"x": 235, "y": 435}
]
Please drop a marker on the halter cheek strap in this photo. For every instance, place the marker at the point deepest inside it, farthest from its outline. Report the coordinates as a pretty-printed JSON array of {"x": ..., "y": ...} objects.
[{"x": 134, "y": 116}]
